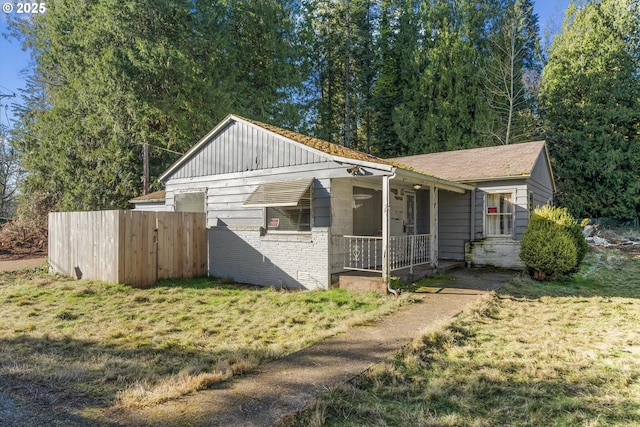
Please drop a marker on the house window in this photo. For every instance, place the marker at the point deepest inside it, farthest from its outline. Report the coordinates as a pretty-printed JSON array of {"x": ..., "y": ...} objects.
[
  {"x": 190, "y": 202},
  {"x": 291, "y": 218},
  {"x": 499, "y": 214},
  {"x": 287, "y": 205}
]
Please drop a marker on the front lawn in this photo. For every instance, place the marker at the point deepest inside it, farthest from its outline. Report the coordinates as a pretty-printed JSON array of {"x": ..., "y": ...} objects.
[
  {"x": 105, "y": 344},
  {"x": 533, "y": 354}
]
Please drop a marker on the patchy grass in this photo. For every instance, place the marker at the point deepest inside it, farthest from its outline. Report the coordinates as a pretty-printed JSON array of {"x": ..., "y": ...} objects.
[
  {"x": 136, "y": 347},
  {"x": 552, "y": 354}
]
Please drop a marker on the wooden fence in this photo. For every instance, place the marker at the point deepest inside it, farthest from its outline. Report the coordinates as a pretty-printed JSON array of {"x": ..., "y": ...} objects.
[{"x": 132, "y": 247}]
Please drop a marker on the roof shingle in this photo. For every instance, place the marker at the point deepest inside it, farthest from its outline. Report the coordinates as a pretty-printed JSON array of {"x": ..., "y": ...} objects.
[{"x": 478, "y": 164}]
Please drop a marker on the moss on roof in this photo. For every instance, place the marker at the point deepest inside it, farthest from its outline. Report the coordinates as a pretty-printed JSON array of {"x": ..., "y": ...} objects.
[{"x": 327, "y": 147}]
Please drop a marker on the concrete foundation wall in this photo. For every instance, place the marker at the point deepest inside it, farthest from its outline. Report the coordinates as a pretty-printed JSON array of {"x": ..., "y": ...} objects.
[
  {"x": 296, "y": 260},
  {"x": 504, "y": 253}
]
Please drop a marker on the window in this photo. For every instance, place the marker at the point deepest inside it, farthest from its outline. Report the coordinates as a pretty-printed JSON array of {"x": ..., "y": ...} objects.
[
  {"x": 287, "y": 205},
  {"x": 291, "y": 218},
  {"x": 190, "y": 202},
  {"x": 530, "y": 202},
  {"x": 499, "y": 215}
]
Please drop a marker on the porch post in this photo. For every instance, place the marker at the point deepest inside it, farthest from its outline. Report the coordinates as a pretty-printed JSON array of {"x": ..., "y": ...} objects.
[
  {"x": 385, "y": 229},
  {"x": 433, "y": 225}
]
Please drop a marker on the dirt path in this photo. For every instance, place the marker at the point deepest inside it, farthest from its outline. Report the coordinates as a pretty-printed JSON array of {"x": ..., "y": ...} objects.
[
  {"x": 287, "y": 385},
  {"x": 21, "y": 263}
]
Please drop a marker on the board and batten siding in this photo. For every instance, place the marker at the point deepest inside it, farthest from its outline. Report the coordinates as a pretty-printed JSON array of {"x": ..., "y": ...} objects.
[
  {"x": 240, "y": 147},
  {"x": 540, "y": 183},
  {"x": 454, "y": 225}
]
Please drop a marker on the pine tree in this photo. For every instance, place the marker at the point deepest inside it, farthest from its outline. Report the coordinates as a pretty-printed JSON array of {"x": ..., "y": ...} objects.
[{"x": 591, "y": 105}]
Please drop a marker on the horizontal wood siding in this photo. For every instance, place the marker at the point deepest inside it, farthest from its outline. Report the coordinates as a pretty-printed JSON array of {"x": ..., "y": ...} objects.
[
  {"x": 226, "y": 196},
  {"x": 241, "y": 147},
  {"x": 454, "y": 224}
]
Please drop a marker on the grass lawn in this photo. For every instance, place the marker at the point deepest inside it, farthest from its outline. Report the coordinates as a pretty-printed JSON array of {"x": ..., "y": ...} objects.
[
  {"x": 534, "y": 354},
  {"x": 113, "y": 344}
]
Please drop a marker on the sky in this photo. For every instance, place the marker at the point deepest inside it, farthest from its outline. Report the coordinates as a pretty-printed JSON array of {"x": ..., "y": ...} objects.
[{"x": 14, "y": 61}]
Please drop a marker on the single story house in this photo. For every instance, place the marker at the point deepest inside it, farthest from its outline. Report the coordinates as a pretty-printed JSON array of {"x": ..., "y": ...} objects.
[{"x": 292, "y": 210}]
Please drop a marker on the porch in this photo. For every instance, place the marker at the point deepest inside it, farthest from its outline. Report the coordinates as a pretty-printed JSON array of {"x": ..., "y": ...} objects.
[
  {"x": 372, "y": 281},
  {"x": 364, "y": 253},
  {"x": 409, "y": 257}
]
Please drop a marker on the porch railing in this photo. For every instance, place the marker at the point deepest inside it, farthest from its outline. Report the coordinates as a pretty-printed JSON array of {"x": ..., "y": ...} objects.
[{"x": 365, "y": 252}]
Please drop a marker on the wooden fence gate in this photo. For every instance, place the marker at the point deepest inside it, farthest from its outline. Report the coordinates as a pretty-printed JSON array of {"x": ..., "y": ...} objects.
[{"x": 132, "y": 247}]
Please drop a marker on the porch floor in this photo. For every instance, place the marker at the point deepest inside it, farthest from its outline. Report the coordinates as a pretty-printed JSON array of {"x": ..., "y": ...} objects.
[{"x": 372, "y": 281}]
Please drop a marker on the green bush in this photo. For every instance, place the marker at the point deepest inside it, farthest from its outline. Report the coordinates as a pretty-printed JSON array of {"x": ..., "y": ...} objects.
[
  {"x": 550, "y": 245},
  {"x": 563, "y": 218}
]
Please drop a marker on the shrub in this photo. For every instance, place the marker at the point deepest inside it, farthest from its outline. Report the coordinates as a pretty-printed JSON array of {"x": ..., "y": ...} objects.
[
  {"x": 563, "y": 218},
  {"x": 550, "y": 246}
]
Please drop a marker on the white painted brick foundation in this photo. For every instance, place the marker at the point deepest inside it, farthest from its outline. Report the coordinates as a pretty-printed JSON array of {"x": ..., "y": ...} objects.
[
  {"x": 288, "y": 260},
  {"x": 504, "y": 253}
]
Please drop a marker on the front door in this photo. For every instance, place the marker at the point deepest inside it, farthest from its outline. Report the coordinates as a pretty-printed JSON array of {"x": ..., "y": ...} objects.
[{"x": 410, "y": 216}]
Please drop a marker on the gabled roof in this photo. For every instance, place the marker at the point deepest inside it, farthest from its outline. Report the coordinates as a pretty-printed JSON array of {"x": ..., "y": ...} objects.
[
  {"x": 327, "y": 147},
  {"x": 156, "y": 196},
  {"x": 480, "y": 164},
  {"x": 334, "y": 151}
]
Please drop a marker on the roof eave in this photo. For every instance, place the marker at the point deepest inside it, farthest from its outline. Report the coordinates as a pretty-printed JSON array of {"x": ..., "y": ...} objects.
[
  {"x": 456, "y": 187},
  {"x": 364, "y": 163},
  {"x": 494, "y": 178}
]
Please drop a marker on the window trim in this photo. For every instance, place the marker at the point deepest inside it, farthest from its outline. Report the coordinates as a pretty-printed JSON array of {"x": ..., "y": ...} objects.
[
  {"x": 486, "y": 215},
  {"x": 202, "y": 191}
]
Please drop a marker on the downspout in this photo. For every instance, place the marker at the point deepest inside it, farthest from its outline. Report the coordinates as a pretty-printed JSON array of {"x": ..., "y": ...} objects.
[
  {"x": 472, "y": 225},
  {"x": 386, "y": 210}
]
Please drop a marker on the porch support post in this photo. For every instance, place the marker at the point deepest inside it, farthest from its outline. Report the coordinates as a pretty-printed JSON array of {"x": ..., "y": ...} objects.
[
  {"x": 386, "y": 209},
  {"x": 433, "y": 225}
]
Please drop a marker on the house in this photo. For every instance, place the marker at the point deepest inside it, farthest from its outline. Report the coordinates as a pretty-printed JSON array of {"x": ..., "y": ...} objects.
[
  {"x": 509, "y": 182},
  {"x": 291, "y": 210},
  {"x": 150, "y": 202}
]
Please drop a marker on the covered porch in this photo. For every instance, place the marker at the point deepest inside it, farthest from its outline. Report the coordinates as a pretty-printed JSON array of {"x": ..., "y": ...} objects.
[{"x": 393, "y": 224}]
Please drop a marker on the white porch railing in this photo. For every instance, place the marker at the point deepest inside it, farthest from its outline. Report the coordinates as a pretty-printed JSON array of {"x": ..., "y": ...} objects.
[{"x": 364, "y": 253}]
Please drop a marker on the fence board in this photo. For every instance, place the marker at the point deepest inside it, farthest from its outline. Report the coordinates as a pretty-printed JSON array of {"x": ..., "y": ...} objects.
[{"x": 133, "y": 247}]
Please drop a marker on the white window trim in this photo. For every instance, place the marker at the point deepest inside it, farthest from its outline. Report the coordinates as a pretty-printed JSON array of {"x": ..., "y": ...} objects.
[
  {"x": 485, "y": 215},
  {"x": 190, "y": 191},
  {"x": 289, "y": 232}
]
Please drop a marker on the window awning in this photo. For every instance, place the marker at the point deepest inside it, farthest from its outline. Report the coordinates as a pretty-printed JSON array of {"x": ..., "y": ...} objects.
[{"x": 273, "y": 194}]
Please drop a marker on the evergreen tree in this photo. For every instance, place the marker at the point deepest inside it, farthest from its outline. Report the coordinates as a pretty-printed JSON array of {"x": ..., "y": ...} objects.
[
  {"x": 591, "y": 105},
  {"x": 113, "y": 75},
  {"x": 397, "y": 75}
]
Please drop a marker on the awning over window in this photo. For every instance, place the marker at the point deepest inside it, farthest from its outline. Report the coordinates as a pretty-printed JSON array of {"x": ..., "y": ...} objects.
[{"x": 273, "y": 194}]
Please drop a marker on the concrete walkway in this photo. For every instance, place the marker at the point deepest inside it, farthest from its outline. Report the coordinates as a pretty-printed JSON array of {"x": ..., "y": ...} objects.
[{"x": 285, "y": 386}]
